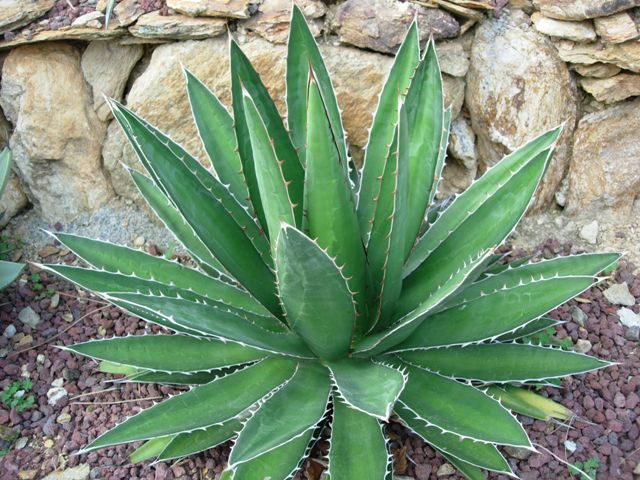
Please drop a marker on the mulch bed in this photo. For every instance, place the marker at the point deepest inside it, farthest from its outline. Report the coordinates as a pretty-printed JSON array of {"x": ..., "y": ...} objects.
[{"x": 606, "y": 402}]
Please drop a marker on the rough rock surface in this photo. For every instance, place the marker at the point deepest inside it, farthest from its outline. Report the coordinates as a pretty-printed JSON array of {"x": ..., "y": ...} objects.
[
  {"x": 612, "y": 89},
  {"x": 453, "y": 57},
  {"x": 57, "y": 136},
  {"x": 517, "y": 88},
  {"x": 381, "y": 25},
  {"x": 597, "y": 70},
  {"x": 606, "y": 159},
  {"x": 272, "y": 20},
  {"x": 97, "y": 66},
  {"x": 625, "y": 55},
  {"x": 153, "y": 25},
  {"x": 581, "y": 9},
  {"x": 616, "y": 28},
  {"x": 13, "y": 200},
  {"x": 16, "y": 13},
  {"x": 211, "y": 8},
  {"x": 576, "y": 31}
]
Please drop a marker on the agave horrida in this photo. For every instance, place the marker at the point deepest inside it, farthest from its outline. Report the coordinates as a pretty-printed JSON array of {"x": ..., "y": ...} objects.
[{"x": 322, "y": 298}]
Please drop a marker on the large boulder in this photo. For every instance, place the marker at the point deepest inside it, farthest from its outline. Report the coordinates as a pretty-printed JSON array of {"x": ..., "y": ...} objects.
[
  {"x": 518, "y": 88},
  {"x": 12, "y": 200},
  {"x": 581, "y": 9},
  {"x": 605, "y": 164},
  {"x": 57, "y": 136}
]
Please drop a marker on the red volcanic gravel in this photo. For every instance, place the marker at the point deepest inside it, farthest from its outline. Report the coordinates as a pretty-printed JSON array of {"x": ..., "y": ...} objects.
[{"x": 607, "y": 402}]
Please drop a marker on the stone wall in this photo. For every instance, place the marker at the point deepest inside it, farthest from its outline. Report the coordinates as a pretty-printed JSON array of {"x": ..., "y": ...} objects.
[{"x": 511, "y": 71}]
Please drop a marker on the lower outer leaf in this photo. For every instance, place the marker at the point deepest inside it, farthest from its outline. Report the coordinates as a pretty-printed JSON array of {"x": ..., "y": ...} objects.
[
  {"x": 189, "y": 443},
  {"x": 151, "y": 448},
  {"x": 358, "y": 446},
  {"x": 9, "y": 271},
  {"x": 526, "y": 402}
]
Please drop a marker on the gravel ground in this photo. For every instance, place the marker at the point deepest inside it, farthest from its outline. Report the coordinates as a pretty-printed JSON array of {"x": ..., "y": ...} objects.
[{"x": 606, "y": 402}]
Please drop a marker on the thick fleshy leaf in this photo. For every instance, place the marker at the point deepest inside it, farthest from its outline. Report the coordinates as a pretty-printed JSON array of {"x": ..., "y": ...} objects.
[
  {"x": 425, "y": 113},
  {"x": 470, "y": 472},
  {"x": 358, "y": 447},
  {"x": 329, "y": 208},
  {"x": 210, "y": 319},
  {"x": 526, "y": 402},
  {"x": 168, "y": 353},
  {"x": 442, "y": 155},
  {"x": 383, "y": 128},
  {"x": 292, "y": 411},
  {"x": 502, "y": 362},
  {"x": 494, "y": 315},
  {"x": 460, "y": 409},
  {"x": 368, "y": 386},
  {"x": 303, "y": 53},
  {"x": 530, "y": 328},
  {"x": 272, "y": 184},
  {"x": 150, "y": 449},
  {"x": 9, "y": 271},
  {"x": 162, "y": 378},
  {"x": 5, "y": 167},
  {"x": 215, "y": 127},
  {"x": 315, "y": 296},
  {"x": 244, "y": 77},
  {"x": 484, "y": 455},
  {"x": 215, "y": 402},
  {"x": 221, "y": 232},
  {"x": 189, "y": 443}
]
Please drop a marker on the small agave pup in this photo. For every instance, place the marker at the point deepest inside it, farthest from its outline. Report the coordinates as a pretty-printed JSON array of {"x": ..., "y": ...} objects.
[{"x": 323, "y": 301}]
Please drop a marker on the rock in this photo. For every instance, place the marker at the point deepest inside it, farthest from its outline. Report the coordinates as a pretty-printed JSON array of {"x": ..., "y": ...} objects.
[
  {"x": 517, "y": 452},
  {"x": 570, "y": 445},
  {"x": 582, "y": 346},
  {"x": 10, "y": 331},
  {"x": 81, "y": 472},
  {"x": 55, "y": 300},
  {"x": 55, "y": 394},
  {"x": 462, "y": 143},
  {"x": 48, "y": 250},
  {"x": 453, "y": 90},
  {"x": 452, "y": 57},
  {"x": 381, "y": 25},
  {"x": 154, "y": 25},
  {"x": 597, "y": 70},
  {"x": 619, "y": 294},
  {"x": 624, "y": 55},
  {"x": 13, "y": 199},
  {"x": 97, "y": 64},
  {"x": 27, "y": 474},
  {"x": 605, "y": 160},
  {"x": 581, "y": 9},
  {"x": 89, "y": 19},
  {"x": 576, "y": 31},
  {"x": 211, "y": 8},
  {"x": 272, "y": 21},
  {"x": 579, "y": 316},
  {"x": 613, "y": 89},
  {"x": 29, "y": 317},
  {"x": 589, "y": 232},
  {"x": 23, "y": 341},
  {"x": 128, "y": 11},
  {"x": 445, "y": 470},
  {"x": 48, "y": 443},
  {"x": 58, "y": 382},
  {"x": 517, "y": 88},
  {"x": 64, "y": 33},
  {"x": 456, "y": 178},
  {"x": 16, "y": 13},
  {"x": 629, "y": 318},
  {"x": 43, "y": 86},
  {"x": 139, "y": 241},
  {"x": 40, "y": 358},
  {"x": 21, "y": 443},
  {"x": 616, "y": 28},
  {"x": 63, "y": 418}
]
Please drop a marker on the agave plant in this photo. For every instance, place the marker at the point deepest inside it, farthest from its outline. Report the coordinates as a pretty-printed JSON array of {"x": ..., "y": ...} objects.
[
  {"x": 9, "y": 271},
  {"x": 327, "y": 300}
]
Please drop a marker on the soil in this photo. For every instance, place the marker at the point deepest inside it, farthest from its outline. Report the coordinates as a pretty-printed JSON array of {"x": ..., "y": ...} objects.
[{"x": 606, "y": 403}]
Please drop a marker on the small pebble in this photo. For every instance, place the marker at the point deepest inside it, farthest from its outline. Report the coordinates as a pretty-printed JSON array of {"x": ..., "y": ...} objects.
[{"x": 10, "y": 331}]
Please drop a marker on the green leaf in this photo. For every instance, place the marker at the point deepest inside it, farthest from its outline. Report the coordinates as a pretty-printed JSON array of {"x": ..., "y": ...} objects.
[
  {"x": 182, "y": 178},
  {"x": 189, "y": 443},
  {"x": 329, "y": 204},
  {"x": 215, "y": 127},
  {"x": 526, "y": 402},
  {"x": 425, "y": 113},
  {"x": 272, "y": 184},
  {"x": 460, "y": 409},
  {"x": 358, "y": 447},
  {"x": 444, "y": 143},
  {"x": 9, "y": 271},
  {"x": 494, "y": 315},
  {"x": 383, "y": 128},
  {"x": 316, "y": 299},
  {"x": 500, "y": 362},
  {"x": 243, "y": 76},
  {"x": 483, "y": 455},
  {"x": 534, "y": 326},
  {"x": 146, "y": 376},
  {"x": 6, "y": 159},
  {"x": 367, "y": 386},
  {"x": 292, "y": 411},
  {"x": 150, "y": 449},
  {"x": 303, "y": 53},
  {"x": 469, "y": 471},
  {"x": 168, "y": 353},
  {"x": 201, "y": 407}
]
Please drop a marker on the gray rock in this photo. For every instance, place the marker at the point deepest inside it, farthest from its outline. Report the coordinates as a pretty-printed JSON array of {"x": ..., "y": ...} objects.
[
  {"x": 578, "y": 316},
  {"x": 582, "y": 346},
  {"x": 462, "y": 143},
  {"x": 629, "y": 318},
  {"x": 10, "y": 331},
  {"x": 619, "y": 294},
  {"x": 81, "y": 472},
  {"x": 55, "y": 394},
  {"x": 29, "y": 317},
  {"x": 581, "y": 9},
  {"x": 589, "y": 232}
]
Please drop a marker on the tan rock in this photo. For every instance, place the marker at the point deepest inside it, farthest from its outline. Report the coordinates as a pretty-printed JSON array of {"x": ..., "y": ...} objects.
[
  {"x": 596, "y": 70},
  {"x": 616, "y": 28},
  {"x": 581, "y": 9},
  {"x": 577, "y": 31},
  {"x": 16, "y": 13},
  {"x": 453, "y": 89},
  {"x": 606, "y": 160},
  {"x": 13, "y": 199},
  {"x": 56, "y": 139},
  {"x": 624, "y": 55},
  {"x": 453, "y": 57},
  {"x": 518, "y": 88},
  {"x": 381, "y": 25},
  {"x": 456, "y": 178},
  {"x": 127, "y": 12},
  {"x": 65, "y": 33},
  {"x": 211, "y": 8},
  {"x": 462, "y": 145},
  {"x": 98, "y": 62},
  {"x": 92, "y": 19},
  {"x": 177, "y": 27},
  {"x": 612, "y": 89},
  {"x": 272, "y": 21}
]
